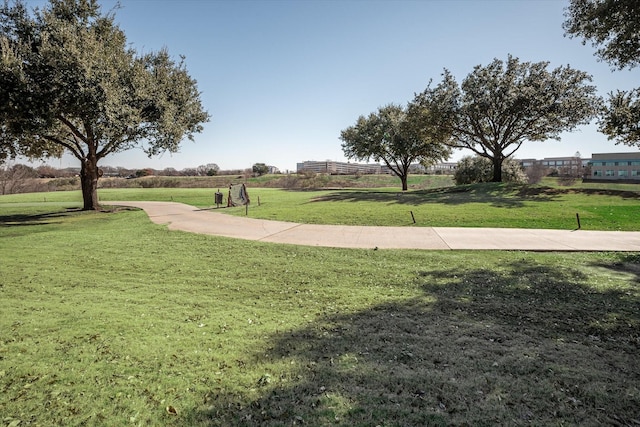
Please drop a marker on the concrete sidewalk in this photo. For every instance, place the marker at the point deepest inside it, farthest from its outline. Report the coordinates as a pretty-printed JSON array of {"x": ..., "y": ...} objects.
[{"x": 183, "y": 217}]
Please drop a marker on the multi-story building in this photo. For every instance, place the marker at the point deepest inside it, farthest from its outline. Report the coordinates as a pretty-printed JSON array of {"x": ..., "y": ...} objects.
[
  {"x": 563, "y": 166},
  {"x": 600, "y": 167},
  {"x": 442, "y": 168},
  {"x": 342, "y": 168},
  {"x": 615, "y": 166},
  {"x": 574, "y": 166},
  {"x": 338, "y": 168}
]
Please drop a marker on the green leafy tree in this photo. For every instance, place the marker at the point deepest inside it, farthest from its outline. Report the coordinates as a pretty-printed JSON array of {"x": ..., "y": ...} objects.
[
  {"x": 397, "y": 136},
  {"x": 260, "y": 169},
  {"x": 621, "y": 118},
  {"x": 500, "y": 106},
  {"x": 70, "y": 82},
  {"x": 212, "y": 169},
  {"x": 613, "y": 26},
  {"x": 477, "y": 169}
]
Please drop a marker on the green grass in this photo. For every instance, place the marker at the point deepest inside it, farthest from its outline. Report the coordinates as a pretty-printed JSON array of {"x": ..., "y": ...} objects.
[
  {"x": 108, "y": 319},
  {"x": 485, "y": 205},
  {"x": 610, "y": 207}
]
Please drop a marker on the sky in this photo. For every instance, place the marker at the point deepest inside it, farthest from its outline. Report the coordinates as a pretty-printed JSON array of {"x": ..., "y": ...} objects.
[{"x": 282, "y": 78}]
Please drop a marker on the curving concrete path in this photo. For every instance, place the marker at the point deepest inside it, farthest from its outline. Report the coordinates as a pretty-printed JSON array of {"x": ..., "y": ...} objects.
[{"x": 183, "y": 217}]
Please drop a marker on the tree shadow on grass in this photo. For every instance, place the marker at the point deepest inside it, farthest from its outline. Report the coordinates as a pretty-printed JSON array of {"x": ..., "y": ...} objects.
[
  {"x": 20, "y": 220},
  {"x": 56, "y": 217},
  {"x": 626, "y": 264},
  {"x": 527, "y": 345},
  {"x": 497, "y": 195}
]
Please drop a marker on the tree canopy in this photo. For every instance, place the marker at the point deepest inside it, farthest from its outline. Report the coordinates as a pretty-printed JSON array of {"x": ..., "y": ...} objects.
[
  {"x": 260, "y": 169},
  {"x": 397, "y": 136},
  {"x": 70, "y": 82},
  {"x": 500, "y": 106},
  {"x": 621, "y": 118},
  {"x": 613, "y": 26}
]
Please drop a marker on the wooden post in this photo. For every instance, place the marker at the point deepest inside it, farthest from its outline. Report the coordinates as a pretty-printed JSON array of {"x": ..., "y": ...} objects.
[
  {"x": 413, "y": 217},
  {"x": 578, "y": 218}
]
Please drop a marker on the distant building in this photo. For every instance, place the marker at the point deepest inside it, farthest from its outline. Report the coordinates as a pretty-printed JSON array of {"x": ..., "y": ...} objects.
[
  {"x": 574, "y": 166},
  {"x": 615, "y": 167},
  {"x": 344, "y": 168},
  {"x": 443, "y": 168},
  {"x": 528, "y": 163},
  {"x": 337, "y": 168},
  {"x": 568, "y": 165}
]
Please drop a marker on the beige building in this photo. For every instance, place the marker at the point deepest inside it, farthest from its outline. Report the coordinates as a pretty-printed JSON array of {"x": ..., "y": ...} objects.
[
  {"x": 565, "y": 165},
  {"x": 337, "y": 168},
  {"x": 615, "y": 166},
  {"x": 341, "y": 168}
]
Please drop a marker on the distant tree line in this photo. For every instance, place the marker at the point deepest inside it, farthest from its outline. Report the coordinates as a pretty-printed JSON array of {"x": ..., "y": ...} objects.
[{"x": 46, "y": 171}]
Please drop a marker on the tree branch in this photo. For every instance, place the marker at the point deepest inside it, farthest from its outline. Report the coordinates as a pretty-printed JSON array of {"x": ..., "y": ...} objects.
[
  {"x": 72, "y": 128},
  {"x": 75, "y": 150}
]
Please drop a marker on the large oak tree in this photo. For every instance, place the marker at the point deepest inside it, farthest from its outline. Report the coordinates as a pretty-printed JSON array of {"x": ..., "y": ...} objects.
[
  {"x": 397, "y": 136},
  {"x": 613, "y": 26},
  {"x": 500, "y": 106},
  {"x": 70, "y": 82}
]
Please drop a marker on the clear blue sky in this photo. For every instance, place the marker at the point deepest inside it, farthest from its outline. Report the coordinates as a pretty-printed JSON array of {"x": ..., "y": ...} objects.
[{"x": 281, "y": 79}]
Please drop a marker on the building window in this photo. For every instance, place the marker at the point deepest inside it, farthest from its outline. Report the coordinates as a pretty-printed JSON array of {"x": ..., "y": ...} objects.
[
  {"x": 597, "y": 173},
  {"x": 622, "y": 173},
  {"x": 634, "y": 173},
  {"x": 609, "y": 173}
]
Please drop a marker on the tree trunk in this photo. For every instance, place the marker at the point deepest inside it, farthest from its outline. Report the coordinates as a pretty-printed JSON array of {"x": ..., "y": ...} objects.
[
  {"x": 403, "y": 178},
  {"x": 497, "y": 169},
  {"x": 89, "y": 183}
]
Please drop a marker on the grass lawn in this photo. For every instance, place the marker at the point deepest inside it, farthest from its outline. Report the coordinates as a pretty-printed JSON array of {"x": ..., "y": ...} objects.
[
  {"x": 609, "y": 207},
  {"x": 466, "y": 206},
  {"x": 108, "y": 319}
]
